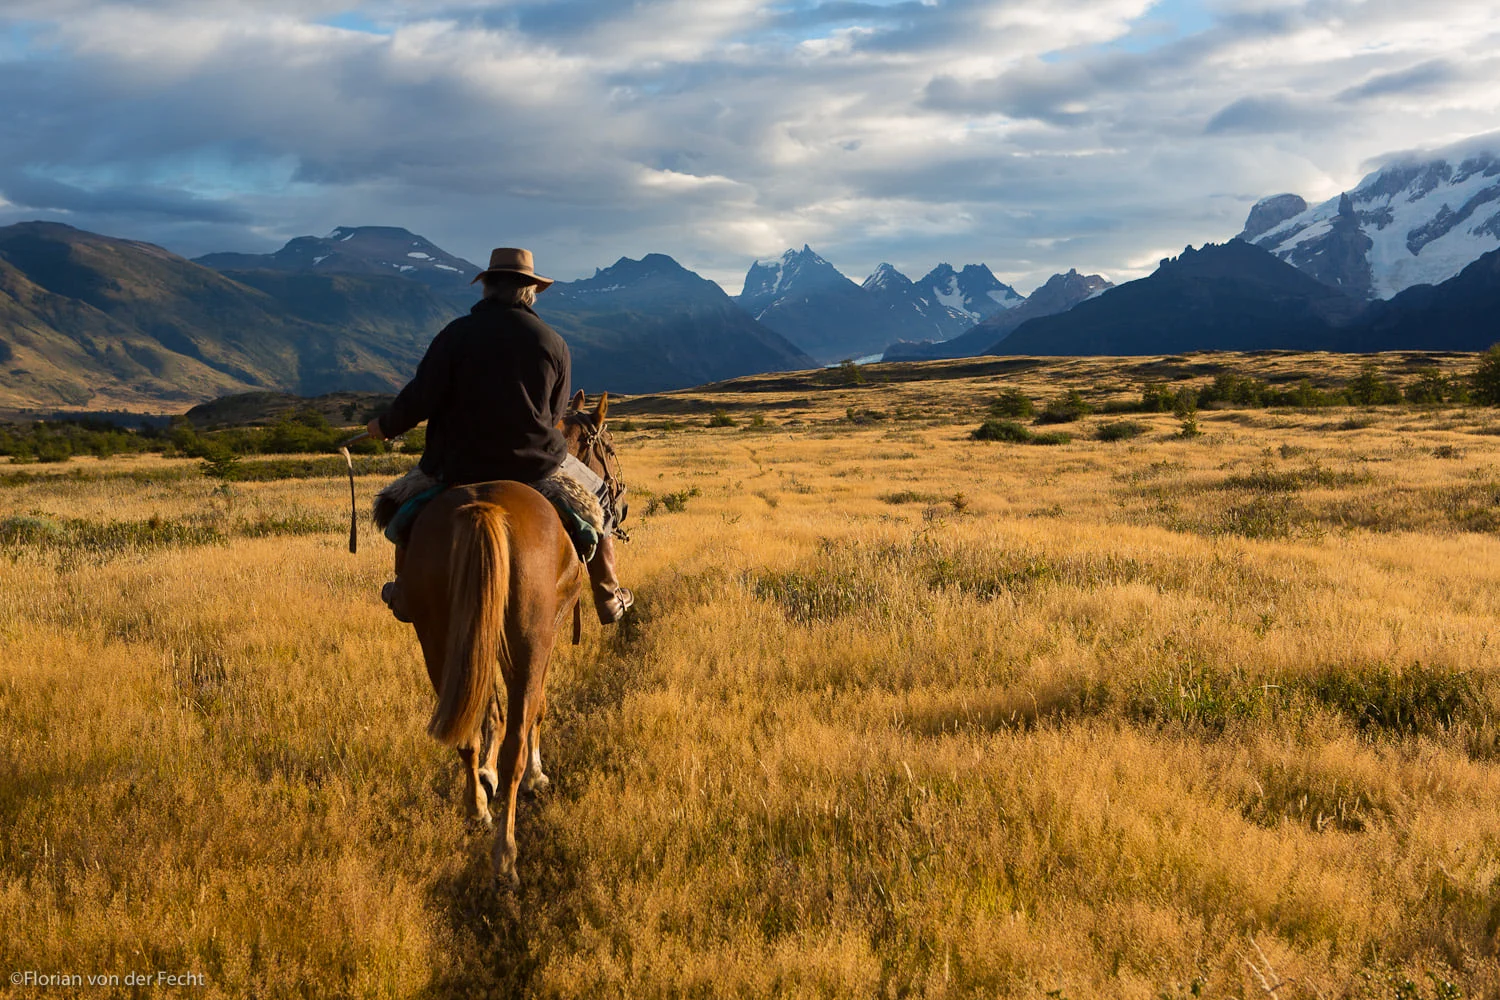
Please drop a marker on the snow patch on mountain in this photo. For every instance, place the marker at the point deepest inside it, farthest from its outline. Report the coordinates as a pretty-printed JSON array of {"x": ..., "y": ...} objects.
[{"x": 1425, "y": 216}]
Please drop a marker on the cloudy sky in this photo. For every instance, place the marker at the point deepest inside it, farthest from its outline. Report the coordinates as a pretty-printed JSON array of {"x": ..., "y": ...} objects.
[{"x": 1033, "y": 135}]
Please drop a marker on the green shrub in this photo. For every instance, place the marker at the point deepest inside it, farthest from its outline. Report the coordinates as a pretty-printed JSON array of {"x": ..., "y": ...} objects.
[
  {"x": 720, "y": 418},
  {"x": 1012, "y": 403},
  {"x": 220, "y": 463},
  {"x": 1234, "y": 390},
  {"x": 414, "y": 440},
  {"x": 1485, "y": 379},
  {"x": 1307, "y": 396},
  {"x": 1120, "y": 430},
  {"x": 1002, "y": 430},
  {"x": 1065, "y": 409},
  {"x": 1431, "y": 386},
  {"x": 1415, "y": 700},
  {"x": 1370, "y": 388},
  {"x": 672, "y": 503},
  {"x": 1157, "y": 398},
  {"x": 847, "y": 372}
]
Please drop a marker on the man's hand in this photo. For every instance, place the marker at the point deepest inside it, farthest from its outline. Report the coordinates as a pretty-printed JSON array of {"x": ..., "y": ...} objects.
[{"x": 373, "y": 429}]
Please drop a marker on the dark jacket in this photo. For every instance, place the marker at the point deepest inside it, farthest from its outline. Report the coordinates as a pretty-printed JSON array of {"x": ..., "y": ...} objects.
[{"x": 492, "y": 387}]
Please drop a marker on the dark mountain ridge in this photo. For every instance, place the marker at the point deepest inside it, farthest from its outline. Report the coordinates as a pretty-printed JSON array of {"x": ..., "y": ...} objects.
[
  {"x": 651, "y": 324},
  {"x": 1461, "y": 314},
  {"x": 92, "y": 320},
  {"x": 369, "y": 250},
  {"x": 1239, "y": 297}
]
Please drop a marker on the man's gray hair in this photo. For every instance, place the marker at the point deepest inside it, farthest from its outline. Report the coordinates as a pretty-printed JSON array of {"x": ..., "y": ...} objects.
[{"x": 511, "y": 289}]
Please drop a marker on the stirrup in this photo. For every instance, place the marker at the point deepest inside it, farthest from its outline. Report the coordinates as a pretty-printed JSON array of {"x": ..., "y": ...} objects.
[{"x": 612, "y": 610}]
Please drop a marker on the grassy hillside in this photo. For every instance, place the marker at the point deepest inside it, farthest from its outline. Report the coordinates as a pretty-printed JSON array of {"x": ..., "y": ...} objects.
[
  {"x": 901, "y": 713},
  {"x": 94, "y": 322}
]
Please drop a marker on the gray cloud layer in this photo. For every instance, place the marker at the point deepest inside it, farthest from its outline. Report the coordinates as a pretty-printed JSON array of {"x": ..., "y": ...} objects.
[{"x": 1028, "y": 135}]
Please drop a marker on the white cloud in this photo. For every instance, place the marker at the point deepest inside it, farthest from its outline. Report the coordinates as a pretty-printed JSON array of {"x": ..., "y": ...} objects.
[{"x": 1030, "y": 135}]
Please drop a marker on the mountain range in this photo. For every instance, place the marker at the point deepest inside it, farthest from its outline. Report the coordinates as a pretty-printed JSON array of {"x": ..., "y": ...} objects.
[
  {"x": 1240, "y": 297},
  {"x": 91, "y": 320},
  {"x": 1405, "y": 259},
  {"x": 813, "y": 304},
  {"x": 1060, "y": 293}
]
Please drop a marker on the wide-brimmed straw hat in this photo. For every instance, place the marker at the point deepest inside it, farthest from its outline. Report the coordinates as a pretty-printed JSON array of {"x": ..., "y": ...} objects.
[{"x": 513, "y": 260}]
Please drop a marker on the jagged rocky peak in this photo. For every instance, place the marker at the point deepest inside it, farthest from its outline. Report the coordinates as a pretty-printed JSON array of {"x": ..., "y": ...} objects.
[
  {"x": 886, "y": 277},
  {"x": 1271, "y": 212},
  {"x": 795, "y": 270},
  {"x": 1072, "y": 287},
  {"x": 974, "y": 291}
]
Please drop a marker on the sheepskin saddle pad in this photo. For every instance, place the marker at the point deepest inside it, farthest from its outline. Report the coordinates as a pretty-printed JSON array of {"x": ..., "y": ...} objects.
[{"x": 398, "y": 504}]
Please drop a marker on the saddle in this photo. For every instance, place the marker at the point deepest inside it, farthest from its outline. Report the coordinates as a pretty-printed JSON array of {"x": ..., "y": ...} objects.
[{"x": 570, "y": 492}]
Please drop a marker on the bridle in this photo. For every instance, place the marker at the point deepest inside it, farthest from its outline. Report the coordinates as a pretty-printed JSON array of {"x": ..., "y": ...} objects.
[{"x": 598, "y": 453}]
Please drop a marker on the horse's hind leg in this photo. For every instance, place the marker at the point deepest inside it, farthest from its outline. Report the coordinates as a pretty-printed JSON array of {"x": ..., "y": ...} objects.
[
  {"x": 512, "y": 765},
  {"x": 524, "y": 703},
  {"x": 480, "y": 780},
  {"x": 489, "y": 750},
  {"x": 535, "y": 782}
]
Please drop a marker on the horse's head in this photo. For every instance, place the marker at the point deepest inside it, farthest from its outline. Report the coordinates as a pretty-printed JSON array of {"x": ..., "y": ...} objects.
[{"x": 590, "y": 442}]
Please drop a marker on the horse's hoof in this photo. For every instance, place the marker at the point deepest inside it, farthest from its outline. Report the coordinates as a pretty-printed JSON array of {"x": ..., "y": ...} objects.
[
  {"x": 537, "y": 786},
  {"x": 481, "y": 822}
]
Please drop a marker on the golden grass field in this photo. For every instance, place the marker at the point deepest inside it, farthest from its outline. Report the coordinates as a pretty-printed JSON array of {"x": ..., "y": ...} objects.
[{"x": 901, "y": 714}]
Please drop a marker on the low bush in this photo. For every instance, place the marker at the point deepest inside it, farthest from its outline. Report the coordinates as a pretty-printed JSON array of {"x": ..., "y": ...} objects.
[
  {"x": 1120, "y": 430},
  {"x": 672, "y": 503},
  {"x": 1065, "y": 409},
  {"x": 1002, "y": 430},
  {"x": 1012, "y": 403}
]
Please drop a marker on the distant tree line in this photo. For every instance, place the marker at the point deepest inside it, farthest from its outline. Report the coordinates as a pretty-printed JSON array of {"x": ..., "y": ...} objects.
[
  {"x": 305, "y": 431},
  {"x": 1230, "y": 390}
]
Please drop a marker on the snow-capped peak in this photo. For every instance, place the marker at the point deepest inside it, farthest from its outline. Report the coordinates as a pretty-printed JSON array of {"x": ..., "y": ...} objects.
[
  {"x": 884, "y": 277},
  {"x": 1418, "y": 219},
  {"x": 768, "y": 280}
]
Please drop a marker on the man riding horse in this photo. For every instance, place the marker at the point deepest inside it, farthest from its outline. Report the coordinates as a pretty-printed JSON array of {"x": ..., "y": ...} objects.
[{"x": 493, "y": 388}]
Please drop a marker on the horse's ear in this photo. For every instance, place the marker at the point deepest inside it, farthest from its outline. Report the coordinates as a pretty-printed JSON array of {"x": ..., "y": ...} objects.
[
  {"x": 600, "y": 409},
  {"x": 576, "y": 403}
]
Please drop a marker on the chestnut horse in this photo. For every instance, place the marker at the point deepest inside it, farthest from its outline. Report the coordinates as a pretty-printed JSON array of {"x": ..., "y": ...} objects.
[{"x": 489, "y": 576}]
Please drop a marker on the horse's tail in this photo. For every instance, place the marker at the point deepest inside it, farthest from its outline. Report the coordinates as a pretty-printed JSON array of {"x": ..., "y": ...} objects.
[{"x": 479, "y": 590}]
